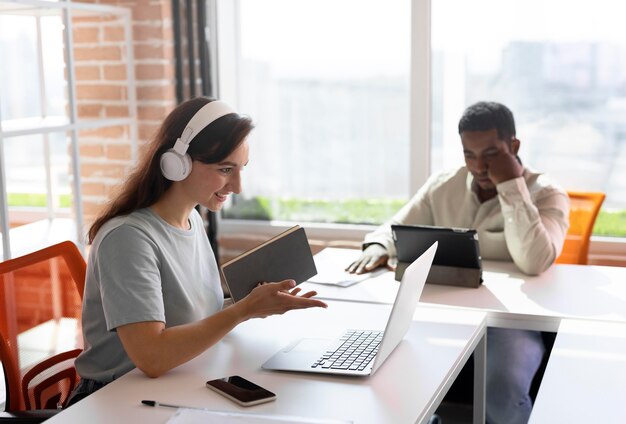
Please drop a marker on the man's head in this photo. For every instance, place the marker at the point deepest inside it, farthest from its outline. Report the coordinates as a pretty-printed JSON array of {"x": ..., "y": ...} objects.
[
  {"x": 487, "y": 131},
  {"x": 484, "y": 116}
]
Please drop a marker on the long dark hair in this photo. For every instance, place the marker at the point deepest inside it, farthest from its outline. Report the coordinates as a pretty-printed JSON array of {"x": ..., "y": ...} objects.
[{"x": 145, "y": 185}]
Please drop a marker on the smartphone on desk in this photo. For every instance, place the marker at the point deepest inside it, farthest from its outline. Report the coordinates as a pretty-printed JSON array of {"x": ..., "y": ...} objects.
[{"x": 240, "y": 390}]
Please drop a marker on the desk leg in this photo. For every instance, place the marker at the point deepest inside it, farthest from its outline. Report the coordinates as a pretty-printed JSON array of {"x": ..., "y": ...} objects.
[{"x": 480, "y": 363}]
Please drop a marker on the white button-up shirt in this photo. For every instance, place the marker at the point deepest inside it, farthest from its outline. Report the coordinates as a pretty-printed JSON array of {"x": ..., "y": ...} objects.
[{"x": 526, "y": 222}]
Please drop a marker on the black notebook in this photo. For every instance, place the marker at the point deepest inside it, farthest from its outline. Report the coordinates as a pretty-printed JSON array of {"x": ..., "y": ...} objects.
[{"x": 283, "y": 257}]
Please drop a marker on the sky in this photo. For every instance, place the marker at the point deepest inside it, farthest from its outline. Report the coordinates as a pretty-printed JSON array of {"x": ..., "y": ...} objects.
[
  {"x": 522, "y": 20},
  {"x": 328, "y": 36},
  {"x": 340, "y": 37}
]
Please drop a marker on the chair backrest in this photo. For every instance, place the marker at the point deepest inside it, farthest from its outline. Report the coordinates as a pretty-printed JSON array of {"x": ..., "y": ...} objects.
[
  {"x": 49, "y": 384},
  {"x": 40, "y": 307},
  {"x": 584, "y": 209},
  {"x": 67, "y": 250},
  {"x": 13, "y": 401}
]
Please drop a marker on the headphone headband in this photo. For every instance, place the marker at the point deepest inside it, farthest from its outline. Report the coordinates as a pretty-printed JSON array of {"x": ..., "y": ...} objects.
[
  {"x": 208, "y": 114},
  {"x": 175, "y": 163}
]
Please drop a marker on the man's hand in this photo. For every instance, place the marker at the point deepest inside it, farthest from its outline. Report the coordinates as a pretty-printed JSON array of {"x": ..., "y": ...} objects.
[
  {"x": 504, "y": 167},
  {"x": 372, "y": 257}
]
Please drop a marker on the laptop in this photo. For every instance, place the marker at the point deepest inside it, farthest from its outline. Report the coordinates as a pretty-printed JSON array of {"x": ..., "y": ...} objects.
[
  {"x": 359, "y": 352},
  {"x": 457, "y": 261}
]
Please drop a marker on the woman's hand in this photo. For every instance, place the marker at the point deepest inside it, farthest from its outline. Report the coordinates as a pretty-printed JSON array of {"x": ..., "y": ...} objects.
[{"x": 275, "y": 299}]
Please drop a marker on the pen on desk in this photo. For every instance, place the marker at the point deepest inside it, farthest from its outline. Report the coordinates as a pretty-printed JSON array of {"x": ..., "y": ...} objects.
[{"x": 166, "y": 405}]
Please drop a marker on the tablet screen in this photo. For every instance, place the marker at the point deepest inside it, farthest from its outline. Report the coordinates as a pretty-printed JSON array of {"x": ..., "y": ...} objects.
[{"x": 457, "y": 246}]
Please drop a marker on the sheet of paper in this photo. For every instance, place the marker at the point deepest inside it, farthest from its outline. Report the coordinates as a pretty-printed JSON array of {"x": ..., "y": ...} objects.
[
  {"x": 206, "y": 416},
  {"x": 331, "y": 264}
]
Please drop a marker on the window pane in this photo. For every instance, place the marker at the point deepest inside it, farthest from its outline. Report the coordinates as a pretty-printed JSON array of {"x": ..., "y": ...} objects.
[
  {"x": 561, "y": 68},
  {"x": 54, "y": 65},
  {"x": 33, "y": 84},
  {"x": 328, "y": 91},
  {"x": 19, "y": 69},
  {"x": 26, "y": 169}
]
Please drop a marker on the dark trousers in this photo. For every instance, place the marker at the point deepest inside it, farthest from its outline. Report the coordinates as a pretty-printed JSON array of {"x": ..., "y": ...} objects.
[{"x": 84, "y": 388}]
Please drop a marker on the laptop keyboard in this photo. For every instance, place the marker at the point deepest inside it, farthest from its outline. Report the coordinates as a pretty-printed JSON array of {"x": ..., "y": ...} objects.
[{"x": 356, "y": 349}]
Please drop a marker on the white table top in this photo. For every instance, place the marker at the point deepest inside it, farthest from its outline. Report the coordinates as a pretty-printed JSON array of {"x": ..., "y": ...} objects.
[
  {"x": 511, "y": 298},
  {"x": 407, "y": 388},
  {"x": 585, "y": 380},
  {"x": 39, "y": 234}
]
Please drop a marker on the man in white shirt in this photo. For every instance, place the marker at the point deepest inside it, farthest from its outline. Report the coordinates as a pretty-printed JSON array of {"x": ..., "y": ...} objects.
[{"x": 520, "y": 215}]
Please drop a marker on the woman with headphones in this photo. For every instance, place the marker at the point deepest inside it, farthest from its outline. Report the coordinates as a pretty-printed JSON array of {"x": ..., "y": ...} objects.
[{"x": 153, "y": 298}]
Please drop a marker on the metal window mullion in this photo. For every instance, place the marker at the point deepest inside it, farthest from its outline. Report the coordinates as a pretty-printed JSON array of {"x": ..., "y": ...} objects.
[
  {"x": 420, "y": 95},
  {"x": 204, "y": 49},
  {"x": 85, "y": 124},
  {"x": 69, "y": 58},
  {"x": 43, "y": 111},
  {"x": 48, "y": 171},
  {"x": 4, "y": 204}
]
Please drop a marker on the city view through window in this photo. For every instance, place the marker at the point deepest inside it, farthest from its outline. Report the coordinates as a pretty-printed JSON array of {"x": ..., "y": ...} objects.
[
  {"x": 334, "y": 147},
  {"x": 328, "y": 89},
  {"x": 560, "y": 67}
]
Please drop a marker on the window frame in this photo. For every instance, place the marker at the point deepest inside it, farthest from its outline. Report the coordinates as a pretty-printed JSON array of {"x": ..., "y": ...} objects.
[
  {"x": 226, "y": 32},
  {"x": 71, "y": 126}
]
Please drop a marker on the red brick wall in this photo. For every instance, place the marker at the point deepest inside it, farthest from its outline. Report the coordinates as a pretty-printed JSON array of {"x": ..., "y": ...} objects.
[{"x": 102, "y": 90}]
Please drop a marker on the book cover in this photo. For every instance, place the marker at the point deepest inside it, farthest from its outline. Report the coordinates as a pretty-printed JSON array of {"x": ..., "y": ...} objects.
[{"x": 285, "y": 256}]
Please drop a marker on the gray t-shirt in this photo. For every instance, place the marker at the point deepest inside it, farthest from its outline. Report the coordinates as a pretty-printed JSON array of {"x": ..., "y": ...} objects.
[{"x": 140, "y": 269}]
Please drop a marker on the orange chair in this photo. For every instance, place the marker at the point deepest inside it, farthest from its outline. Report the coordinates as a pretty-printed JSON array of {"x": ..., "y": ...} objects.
[
  {"x": 584, "y": 209},
  {"x": 46, "y": 386},
  {"x": 40, "y": 307},
  {"x": 13, "y": 402},
  {"x": 49, "y": 384},
  {"x": 67, "y": 250}
]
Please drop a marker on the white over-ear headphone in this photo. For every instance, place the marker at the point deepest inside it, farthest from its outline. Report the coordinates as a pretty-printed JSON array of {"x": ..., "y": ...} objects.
[{"x": 176, "y": 163}]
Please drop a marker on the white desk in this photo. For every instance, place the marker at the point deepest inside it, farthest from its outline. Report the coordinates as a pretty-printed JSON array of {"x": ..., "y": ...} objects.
[
  {"x": 406, "y": 389},
  {"x": 510, "y": 298},
  {"x": 39, "y": 234},
  {"x": 585, "y": 380}
]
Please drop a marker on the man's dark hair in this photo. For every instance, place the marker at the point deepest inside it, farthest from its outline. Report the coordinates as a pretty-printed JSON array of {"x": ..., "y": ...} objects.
[{"x": 485, "y": 116}]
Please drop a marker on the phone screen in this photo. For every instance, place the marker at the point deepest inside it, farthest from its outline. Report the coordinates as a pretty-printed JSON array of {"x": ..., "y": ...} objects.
[{"x": 240, "y": 390}]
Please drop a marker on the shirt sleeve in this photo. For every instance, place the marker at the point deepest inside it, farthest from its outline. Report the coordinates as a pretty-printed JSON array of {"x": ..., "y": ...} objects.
[
  {"x": 417, "y": 210},
  {"x": 534, "y": 230},
  {"x": 127, "y": 270}
]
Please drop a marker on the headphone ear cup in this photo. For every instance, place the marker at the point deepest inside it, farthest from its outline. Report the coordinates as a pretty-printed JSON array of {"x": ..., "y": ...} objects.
[{"x": 174, "y": 166}]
